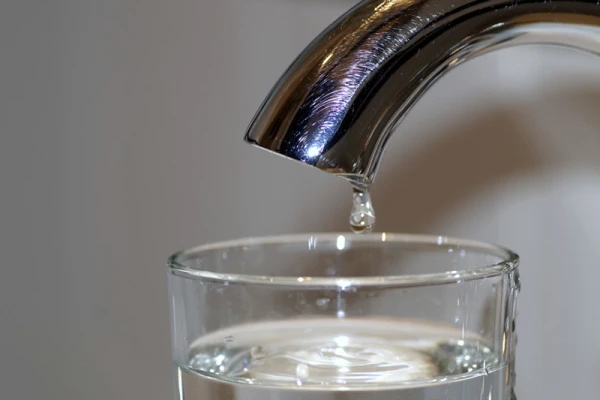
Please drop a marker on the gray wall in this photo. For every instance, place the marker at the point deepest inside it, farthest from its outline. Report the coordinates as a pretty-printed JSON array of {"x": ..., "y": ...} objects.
[{"x": 121, "y": 126}]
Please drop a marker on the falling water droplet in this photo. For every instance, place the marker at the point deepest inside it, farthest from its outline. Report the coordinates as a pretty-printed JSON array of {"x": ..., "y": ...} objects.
[
  {"x": 362, "y": 216},
  {"x": 228, "y": 342},
  {"x": 341, "y": 306}
]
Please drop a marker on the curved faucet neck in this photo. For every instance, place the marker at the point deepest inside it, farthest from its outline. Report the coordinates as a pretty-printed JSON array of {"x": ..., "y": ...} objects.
[{"x": 338, "y": 103}]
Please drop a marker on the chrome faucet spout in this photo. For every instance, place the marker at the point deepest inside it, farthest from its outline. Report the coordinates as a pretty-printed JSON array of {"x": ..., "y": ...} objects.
[{"x": 340, "y": 100}]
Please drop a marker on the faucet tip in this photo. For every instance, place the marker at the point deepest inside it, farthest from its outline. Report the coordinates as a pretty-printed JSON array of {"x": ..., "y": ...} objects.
[{"x": 339, "y": 102}]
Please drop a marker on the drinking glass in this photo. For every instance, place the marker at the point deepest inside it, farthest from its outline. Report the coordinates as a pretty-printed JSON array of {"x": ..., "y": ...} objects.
[{"x": 344, "y": 316}]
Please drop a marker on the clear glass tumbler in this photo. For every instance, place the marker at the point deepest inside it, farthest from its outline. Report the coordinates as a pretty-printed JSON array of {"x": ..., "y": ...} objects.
[{"x": 344, "y": 316}]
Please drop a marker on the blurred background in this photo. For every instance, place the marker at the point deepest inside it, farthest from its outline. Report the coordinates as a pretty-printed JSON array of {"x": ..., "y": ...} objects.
[{"x": 122, "y": 125}]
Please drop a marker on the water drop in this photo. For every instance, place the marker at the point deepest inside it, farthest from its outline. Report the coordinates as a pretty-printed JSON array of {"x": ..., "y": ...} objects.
[
  {"x": 229, "y": 342},
  {"x": 301, "y": 373},
  {"x": 362, "y": 216},
  {"x": 341, "y": 306},
  {"x": 322, "y": 303},
  {"x": 256, "y": 352}
]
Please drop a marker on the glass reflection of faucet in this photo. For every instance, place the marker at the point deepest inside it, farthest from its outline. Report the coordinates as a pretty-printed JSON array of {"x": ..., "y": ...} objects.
[{"x": 338, "y": 103}]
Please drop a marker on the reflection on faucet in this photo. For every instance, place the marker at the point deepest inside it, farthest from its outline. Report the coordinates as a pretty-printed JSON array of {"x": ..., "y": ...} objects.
[{"x": 338, "y": 103}]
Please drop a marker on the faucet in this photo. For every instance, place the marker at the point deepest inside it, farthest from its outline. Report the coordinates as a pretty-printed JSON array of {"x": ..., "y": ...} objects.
[{"x": 338, "y": 103}]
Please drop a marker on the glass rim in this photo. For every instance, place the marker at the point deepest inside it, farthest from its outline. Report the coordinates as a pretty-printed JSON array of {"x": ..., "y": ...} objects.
[{"x": 509, "y": 261}]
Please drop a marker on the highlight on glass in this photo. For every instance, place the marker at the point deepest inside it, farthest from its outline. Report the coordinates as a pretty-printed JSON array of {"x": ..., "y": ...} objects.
[{"x": 333, "y": 316}]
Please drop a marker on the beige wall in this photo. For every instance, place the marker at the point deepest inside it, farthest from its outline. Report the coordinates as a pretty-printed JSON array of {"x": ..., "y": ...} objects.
[{"x": 122, "y": 126}]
